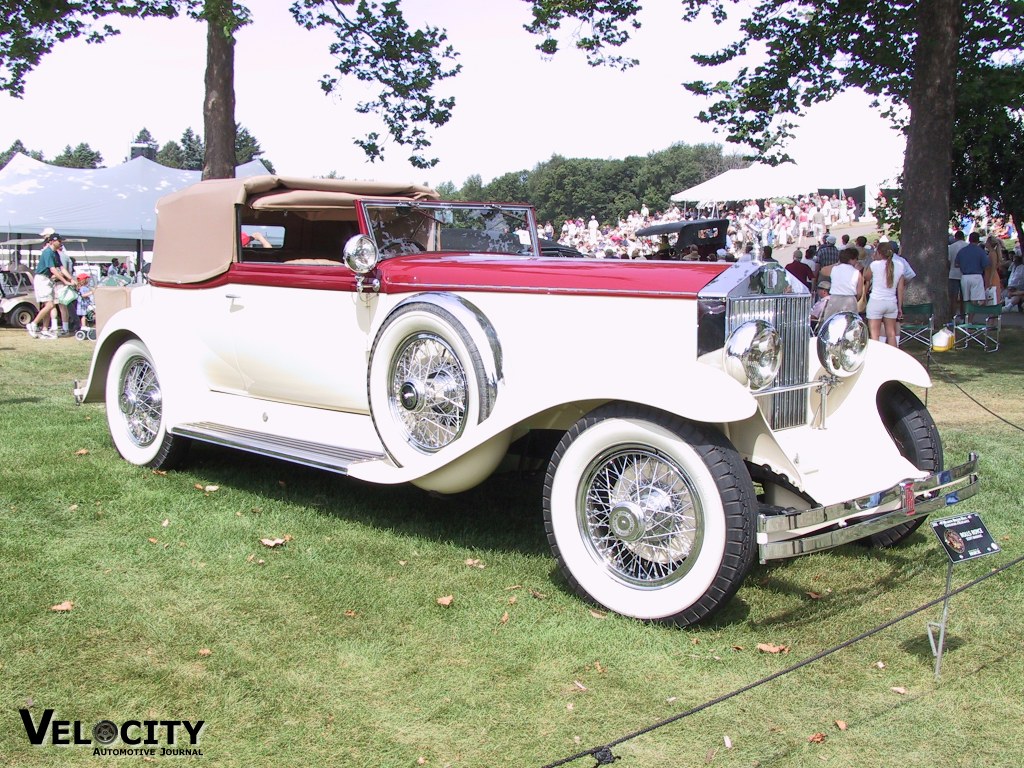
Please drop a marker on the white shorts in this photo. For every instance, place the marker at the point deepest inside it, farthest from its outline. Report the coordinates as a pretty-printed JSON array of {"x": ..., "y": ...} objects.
[
  {"x": 879, "y": 308},
  {"x": 44, "y": 288},
  {"x": 972, "y": 288}
]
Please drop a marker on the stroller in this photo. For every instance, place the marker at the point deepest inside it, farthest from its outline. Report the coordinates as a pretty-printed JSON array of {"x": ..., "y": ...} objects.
[{"x": 86, "y": 309}]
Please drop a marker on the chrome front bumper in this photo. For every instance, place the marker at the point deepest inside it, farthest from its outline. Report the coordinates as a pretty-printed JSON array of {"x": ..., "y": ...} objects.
[{"x": 783, "y": 533}]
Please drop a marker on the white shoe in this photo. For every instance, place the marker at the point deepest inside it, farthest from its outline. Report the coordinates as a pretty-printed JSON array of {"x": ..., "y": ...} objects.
[
  {"x": 33, "y": 330},
  {"x": 47, "y": 334}
]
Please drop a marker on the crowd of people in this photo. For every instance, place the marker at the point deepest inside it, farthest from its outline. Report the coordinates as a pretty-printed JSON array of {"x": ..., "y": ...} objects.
[{"x": 755, "y": 225}]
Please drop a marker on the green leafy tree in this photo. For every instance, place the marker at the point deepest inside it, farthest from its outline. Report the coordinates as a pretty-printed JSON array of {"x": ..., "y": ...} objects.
[
  {"x": 988, "y": 143},
  {"x": 906, "y": 52},
  {"x": 472, "y": 188},
  {"x": 373, "y": 44},
  {"x": 509, "y": 187},
  {"x": 16, "y": 148},
  {"x": 82, "y": 156},
  {"x": 447, "y": 190}
]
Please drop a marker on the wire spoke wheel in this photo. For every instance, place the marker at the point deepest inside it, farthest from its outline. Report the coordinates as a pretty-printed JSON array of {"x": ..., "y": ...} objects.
[
  {"x": 427, "y": 391},
  {"x": 140, "y": 401},
  {"x": 136, "y": 413},
  {"x": 650, "y": 515},
  {"x": 640, "y": 516}
]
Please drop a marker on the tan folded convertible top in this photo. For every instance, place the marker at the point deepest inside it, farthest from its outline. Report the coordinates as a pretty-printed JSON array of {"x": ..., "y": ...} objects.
[{"x": 197, "y": 229}]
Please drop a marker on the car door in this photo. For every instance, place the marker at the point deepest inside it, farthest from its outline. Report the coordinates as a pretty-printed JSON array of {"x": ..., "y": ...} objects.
[{"x": 301, "y": 334}]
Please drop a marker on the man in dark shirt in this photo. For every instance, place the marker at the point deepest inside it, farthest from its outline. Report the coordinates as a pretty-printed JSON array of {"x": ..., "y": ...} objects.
[{"x": 972, "y": 262}]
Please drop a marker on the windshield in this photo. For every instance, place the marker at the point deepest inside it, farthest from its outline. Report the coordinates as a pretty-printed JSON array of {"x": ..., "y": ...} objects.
[{"x": 401, "y": 228}]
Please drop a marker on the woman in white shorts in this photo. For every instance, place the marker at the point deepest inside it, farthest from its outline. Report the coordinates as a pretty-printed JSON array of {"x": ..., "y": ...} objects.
[{"x": 884, "y": 283}]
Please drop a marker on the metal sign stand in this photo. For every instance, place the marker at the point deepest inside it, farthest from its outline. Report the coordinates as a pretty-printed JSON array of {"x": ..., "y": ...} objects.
[
  {"x": 963, "y": 538},
  {"x": 940, "y": 626}
]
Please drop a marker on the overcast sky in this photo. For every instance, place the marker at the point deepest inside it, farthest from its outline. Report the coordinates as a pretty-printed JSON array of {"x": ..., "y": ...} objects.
[{"x": 514, "y": 109}]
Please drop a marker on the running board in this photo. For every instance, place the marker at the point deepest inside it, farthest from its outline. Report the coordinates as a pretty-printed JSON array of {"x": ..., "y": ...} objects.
[{"x": 319, "y": 455}]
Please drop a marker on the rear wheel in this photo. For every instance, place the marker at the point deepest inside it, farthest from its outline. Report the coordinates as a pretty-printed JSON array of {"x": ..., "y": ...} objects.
[
  {"x": 915, "y": 434},
  {"x": 135, "y": 411},
  {"x": 649, "y": 515}
]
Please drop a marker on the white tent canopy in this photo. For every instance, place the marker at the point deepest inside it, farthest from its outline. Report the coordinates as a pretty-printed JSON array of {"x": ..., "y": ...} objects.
[
  {"x": 114, "y": 203},
  {"x": 760, "y": 181}
]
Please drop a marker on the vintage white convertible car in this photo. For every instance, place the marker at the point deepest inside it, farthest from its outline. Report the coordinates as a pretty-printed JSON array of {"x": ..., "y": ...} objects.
[{"x": 693, "y": 423}]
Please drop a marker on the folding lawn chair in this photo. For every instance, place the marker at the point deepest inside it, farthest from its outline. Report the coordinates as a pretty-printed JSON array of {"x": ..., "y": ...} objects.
[
  {"x": 918, "y": 324},
  {"x": 980, "y": 324}
]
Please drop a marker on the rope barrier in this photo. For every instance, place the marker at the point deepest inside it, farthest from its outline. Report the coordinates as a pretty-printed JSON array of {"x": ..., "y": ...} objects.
[
  {"x": 948, "y": 378},
  {"x": 604, "y": 755}
]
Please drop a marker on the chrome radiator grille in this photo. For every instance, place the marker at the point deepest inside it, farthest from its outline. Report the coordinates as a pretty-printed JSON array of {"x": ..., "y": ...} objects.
[{"x": 789, "y": 315}]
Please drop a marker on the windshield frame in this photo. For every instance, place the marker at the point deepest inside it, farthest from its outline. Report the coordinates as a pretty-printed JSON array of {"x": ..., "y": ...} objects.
[{"x": 403, "y": 227}]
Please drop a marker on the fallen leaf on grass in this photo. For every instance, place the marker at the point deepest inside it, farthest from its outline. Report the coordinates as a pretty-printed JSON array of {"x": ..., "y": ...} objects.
[
  {"x": 207, "y": 488},
  {"x": 598, "y": 614},
  {"x": 205, "y": 652},
  {"x": 474, "y": 563},
  {"x": 600, "y": 669},
  {"x": 73, "y": 508},
  {"x": 772, "y": 648},
  {"x": 579, "y": 685},
  {"x": 538, "y": 595},
  {"x": 512, "y": 600},
  {"x": 504, "y": 618},
  {"x": 899, "y": 689},
  {"x": 813, "y": 595},
  {"x": 67, "y": 605},
  {"x": 165, "y": 523},
  {"x": 82, "y": 452},
  {"x": 421, "y": 761},
  {"x": 880, "y": 664},
  {"x": 350, "y": 614},
  {"x": 570, "y": 707},
  {"x": 817, "y": 738},
  {"x": 151, "y": 540},
  {"x": 160, "y": 472},
  {"x": 446, "y": 600},
  {"x": 514, "y": 586},
  {"x": 271, "y": 543},
  {"x": 727, "y": 741},
  {"x": 841, "y": 725},
  {"x": 737, "y": 647},
  {"x": 710, "y": 755}
]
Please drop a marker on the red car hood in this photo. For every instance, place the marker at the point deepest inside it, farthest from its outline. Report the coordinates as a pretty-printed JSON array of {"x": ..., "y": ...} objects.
[{"x": 546, "y": 275}]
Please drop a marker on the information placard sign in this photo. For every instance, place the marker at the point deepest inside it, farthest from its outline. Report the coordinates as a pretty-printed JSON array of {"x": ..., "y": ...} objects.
[{"x": 964, "y": 537}]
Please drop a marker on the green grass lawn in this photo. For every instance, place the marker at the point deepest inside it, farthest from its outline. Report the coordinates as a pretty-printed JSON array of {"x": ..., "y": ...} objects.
[{"x": 332, "y": 649}]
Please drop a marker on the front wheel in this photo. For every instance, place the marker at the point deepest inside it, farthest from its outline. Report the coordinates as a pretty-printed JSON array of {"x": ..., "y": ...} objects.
[
  {"x": 917, "y": 438},
  {"x": 21, "y": 315},
  {"x": 649, "y": 515},
  {"x": 135, "y": 413}
]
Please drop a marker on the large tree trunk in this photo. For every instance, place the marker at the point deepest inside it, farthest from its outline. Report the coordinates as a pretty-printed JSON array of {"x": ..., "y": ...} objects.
[
  {"x": 219, "y": 106},
  {"x": 927, "y": 165}
]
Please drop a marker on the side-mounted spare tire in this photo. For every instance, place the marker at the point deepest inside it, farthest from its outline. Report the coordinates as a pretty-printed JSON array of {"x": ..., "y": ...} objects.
[
  {"x": 432, "y": 375},
  {"x": 650, "y": 515},
  {"x": 917, "y": 438}
]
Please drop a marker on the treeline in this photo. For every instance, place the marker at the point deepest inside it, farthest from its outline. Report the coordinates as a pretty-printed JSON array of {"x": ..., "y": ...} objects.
[
  {"x": 562, "y": 187},
  {"x": 186, "y": 154},
  {"x": 559, "y": 188}
]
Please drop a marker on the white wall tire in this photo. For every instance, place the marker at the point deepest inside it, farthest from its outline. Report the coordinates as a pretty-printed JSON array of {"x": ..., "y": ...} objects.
[
  {"x": 426, "y": 382},
  {"x": 134, "y": 401},
  {"x": 649, "y": 515}
]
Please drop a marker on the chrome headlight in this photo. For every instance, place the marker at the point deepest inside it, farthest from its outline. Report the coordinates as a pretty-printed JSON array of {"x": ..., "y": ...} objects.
[
  {"x": 753, "y": 354},
  {"x": 842, "y": 344},
  {"x": 361, "y": 254}
]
